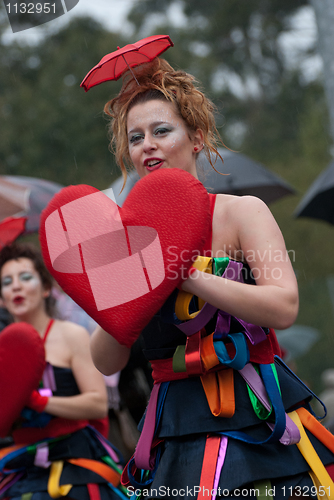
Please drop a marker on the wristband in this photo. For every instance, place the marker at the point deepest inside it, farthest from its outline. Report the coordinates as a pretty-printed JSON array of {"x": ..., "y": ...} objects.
[{"x": 37, "y": 402}]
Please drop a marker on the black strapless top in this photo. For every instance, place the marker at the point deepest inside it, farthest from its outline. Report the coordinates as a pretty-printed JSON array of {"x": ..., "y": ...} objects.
[{"x": 65, "y": 382}]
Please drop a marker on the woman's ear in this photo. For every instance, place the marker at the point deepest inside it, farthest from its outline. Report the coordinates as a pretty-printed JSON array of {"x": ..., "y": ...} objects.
[
  {"x": 46, "y": 293},
  {"x": 198, "y": 139}
]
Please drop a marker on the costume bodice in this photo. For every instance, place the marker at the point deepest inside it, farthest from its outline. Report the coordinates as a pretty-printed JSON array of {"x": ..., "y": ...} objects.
[{"x": 65, "y": 382}]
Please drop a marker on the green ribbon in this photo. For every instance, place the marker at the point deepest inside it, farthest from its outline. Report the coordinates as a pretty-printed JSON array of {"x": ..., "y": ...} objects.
[
  {"x": 26, "y": 496},
  {"x": 179, "y": 359},
  {"x": 262, "y": 488},
  {"x": 261, "y": 412},
  {"x": 109, "y": 461},
  {"x": 219, "y": 265}
]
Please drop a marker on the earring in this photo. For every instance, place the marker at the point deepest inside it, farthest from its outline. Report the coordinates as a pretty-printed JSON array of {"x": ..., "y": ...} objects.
[{"x": 195, "y": 149}]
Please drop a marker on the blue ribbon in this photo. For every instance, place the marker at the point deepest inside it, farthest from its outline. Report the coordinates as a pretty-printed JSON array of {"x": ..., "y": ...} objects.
[
  {"x": 241, "y": 357},
  {"x": 276, "y": 401}
]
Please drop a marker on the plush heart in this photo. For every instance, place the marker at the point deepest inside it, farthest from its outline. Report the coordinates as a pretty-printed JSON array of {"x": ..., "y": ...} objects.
[
  {"x": 22, "y": 362},
  {"x": 121, "y": 264}
]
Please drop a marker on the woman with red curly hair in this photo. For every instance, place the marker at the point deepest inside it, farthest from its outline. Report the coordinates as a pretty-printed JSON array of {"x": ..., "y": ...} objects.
[{"x": 235, "y": 425}]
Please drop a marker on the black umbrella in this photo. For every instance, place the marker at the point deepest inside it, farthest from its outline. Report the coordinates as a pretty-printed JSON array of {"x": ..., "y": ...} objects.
[
  {"x": 318, "y": 203},
  {"x": 245, "y": 176}
]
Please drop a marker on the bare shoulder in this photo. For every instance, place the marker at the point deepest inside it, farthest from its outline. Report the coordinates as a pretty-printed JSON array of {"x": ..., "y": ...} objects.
[
  {"x": 235, "y": 207},
  {"x": 72, "y": 333},
  {"x": 236, "y": 216}
]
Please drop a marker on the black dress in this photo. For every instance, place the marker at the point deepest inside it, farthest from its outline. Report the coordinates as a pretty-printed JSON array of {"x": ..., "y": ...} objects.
[
  {"x": 195, "y": 454},
  {"x": 26, "y": 472},
  {"x": 186, "y": 421}
]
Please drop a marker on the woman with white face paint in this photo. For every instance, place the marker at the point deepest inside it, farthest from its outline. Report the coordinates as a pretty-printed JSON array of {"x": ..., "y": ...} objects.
[
  {"x": 234, "y": 427},
  {"x": 73, "y": 392}
]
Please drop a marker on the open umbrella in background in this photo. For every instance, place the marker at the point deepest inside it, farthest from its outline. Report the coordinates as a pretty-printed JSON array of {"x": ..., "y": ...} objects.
[
  {"x": 25, "y": 197},
  {"x": 318, "y": 202},
  {"x": 113, "y": 65},
  {"x": 245, "y": 176},
  {"x": 10, "y": 229}
]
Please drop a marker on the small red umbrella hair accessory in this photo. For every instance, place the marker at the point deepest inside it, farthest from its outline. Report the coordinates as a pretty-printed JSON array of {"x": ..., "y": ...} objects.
[{"x": 113, "y": 65}]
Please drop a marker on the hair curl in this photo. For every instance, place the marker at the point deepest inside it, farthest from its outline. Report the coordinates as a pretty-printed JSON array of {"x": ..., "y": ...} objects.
[
  {"x": 158, "y": 80},
  {"x": 17, "y": 251}
]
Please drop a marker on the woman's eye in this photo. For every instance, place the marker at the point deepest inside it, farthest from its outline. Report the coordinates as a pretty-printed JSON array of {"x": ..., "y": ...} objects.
[
  {"x": 135, "y": 138},
  {"x": 161, "y": 131},
  {"x": 25, "y": 276},
  {"x": 6, "y": 281}
]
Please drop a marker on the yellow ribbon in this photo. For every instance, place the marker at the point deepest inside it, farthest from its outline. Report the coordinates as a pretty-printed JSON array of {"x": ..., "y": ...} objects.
[
  {"x": 54, "y": 489},
  {"x": 183, "y": 299},
  {"x": 320, "y": 477}
]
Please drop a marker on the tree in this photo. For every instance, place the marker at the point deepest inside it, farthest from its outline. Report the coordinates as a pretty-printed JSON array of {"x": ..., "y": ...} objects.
[
  {"x": 324, "y": 10},
  {"x": 52, "y": 128}
]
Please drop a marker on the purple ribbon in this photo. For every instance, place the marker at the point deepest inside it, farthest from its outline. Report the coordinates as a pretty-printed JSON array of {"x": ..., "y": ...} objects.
[
  {"x": 291, "y": 434},
  {"x": 42, "y": 456},
  {"x": 144, "y": 458},
  {"x": 108, "y": 448},
  {"x": 220, "y": 463},
  {"x": 254, "y": 332},
  {"x": 196, "y": 324},
  {"x": 13, "y": 478},
  {"x": 49, "y": 381},
  {"x": 45, "y": 391}
]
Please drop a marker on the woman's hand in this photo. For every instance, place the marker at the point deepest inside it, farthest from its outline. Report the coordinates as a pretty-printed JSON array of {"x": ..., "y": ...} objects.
[{"x": 244, "y": 228}]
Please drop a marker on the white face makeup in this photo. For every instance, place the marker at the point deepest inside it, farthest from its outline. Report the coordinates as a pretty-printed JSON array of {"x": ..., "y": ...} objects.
[
  {"x": 159, "y": 138},
  {"x": 21, "y": 288}
]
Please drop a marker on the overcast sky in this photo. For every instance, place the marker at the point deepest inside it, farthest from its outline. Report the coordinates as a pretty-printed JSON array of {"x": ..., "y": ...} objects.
[{"x": 111, "y": 13}]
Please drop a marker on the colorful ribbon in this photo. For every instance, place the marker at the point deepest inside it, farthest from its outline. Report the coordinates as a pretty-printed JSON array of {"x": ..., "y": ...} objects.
[
  {"x": 54, "y": 488},
  {"x": 320, "y": 477}
]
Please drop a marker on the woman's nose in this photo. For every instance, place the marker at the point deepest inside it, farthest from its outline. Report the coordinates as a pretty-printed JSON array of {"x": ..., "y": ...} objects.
[
  {"x": 16, "y": 283},
  {"x": 149, "y": 143}
]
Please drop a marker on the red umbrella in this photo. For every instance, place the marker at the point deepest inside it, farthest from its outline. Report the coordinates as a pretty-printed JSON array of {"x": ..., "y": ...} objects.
[
  {"x": 113, "y": 65},
  {"x": 10, "y": 229}
]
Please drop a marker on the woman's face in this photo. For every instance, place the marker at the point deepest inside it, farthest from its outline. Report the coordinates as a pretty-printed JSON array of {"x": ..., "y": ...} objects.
[
  {"x": 22, "y": 290},
  {"x": 159, "y": 138}
]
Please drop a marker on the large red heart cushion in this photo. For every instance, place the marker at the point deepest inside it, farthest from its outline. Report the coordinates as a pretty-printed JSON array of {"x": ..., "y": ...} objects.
[
  {"x": 121, "y": 264},
  {"x": 22, "y": 362}
]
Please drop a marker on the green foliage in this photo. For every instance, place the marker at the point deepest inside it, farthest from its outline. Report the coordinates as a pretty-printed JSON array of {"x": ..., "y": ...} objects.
[{"x": 52, "y": 128}]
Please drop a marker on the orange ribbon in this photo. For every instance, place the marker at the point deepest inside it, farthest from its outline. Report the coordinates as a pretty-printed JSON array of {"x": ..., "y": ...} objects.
[
  {"x": 103, "y": 470},
  {"x": 219, "y": 391}
]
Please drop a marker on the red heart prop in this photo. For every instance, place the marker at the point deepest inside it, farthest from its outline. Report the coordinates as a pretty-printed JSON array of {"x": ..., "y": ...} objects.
[
  {"x": 121, "y": 264},
  {"x": 22, "y": 362}
]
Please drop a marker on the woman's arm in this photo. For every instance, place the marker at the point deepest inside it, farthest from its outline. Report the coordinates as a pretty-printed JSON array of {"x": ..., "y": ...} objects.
[
  {"x": 274, "y": 301},
  {"x": 91, "y": 403},
  {"x": 108, "y": 355}
]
